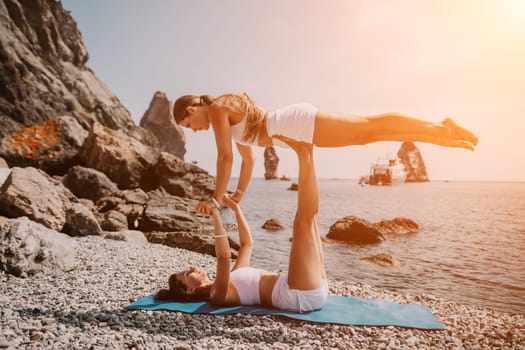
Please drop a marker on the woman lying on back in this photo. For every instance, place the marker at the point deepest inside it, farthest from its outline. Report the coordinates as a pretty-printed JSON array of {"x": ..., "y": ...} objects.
[{"x": 303, "y": 288}]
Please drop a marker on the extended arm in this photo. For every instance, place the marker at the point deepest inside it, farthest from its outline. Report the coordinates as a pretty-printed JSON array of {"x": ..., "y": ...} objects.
[
  {"x": 223, "y": 254},
  {"x": 248, "y": 161},
  {"x": 221, "y": 129},
  {"x": 245, "y": 237}
]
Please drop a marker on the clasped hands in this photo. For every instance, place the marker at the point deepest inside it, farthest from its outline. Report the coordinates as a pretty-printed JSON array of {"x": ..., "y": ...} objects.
[{"x": 207, "y": 207}]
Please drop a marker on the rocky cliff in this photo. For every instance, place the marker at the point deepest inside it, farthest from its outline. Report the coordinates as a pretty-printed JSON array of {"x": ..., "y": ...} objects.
[
  {"x": 413, "y": 162},
  {"x": 43, "y": 72},
  {"x": 79, "y": 165}
]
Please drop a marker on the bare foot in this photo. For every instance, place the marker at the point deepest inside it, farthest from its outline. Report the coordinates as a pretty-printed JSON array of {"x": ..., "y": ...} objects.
[{"x": 458, "y": 132}]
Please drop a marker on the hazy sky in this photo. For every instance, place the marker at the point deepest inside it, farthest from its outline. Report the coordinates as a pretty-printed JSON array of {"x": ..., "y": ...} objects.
[{"x": 426, "y": 58}]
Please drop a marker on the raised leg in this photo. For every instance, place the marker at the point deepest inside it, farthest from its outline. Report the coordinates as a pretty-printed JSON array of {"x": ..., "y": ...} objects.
[
  {"x": 306, "y": 263},
  {"x": 333, "y": 130}
]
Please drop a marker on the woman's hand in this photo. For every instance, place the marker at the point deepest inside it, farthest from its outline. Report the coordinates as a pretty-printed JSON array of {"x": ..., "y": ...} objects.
[
  {"x": 236, "y": 196},
  {"x": 229, "y": 201},
  {"x": 205, "y": 207}
]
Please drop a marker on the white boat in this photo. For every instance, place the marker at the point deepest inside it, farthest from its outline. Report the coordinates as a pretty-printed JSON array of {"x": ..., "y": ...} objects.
[{"x": 387, "y": 171}]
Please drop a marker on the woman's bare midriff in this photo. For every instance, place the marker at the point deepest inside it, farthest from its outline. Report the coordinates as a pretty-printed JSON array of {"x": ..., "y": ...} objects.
[{"x": 266, "y": 284}]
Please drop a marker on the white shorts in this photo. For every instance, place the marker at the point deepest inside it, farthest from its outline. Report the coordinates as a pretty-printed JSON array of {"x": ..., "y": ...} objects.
[
  {"x": 295, "y": 121},
  {"x": 297, "y": 300}
]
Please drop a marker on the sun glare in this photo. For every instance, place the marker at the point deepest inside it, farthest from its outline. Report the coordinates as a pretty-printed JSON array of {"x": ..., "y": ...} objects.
[{"x": 514, "y": 14}]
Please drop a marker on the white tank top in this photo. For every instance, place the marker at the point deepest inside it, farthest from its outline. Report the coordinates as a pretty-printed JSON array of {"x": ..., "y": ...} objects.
[
  {"x": 237, "y": 131},
  {"x": 246, "y": 282}
]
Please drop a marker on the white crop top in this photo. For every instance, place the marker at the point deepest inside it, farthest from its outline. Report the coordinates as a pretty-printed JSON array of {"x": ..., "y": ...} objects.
[{"x": 246, "y": 282}]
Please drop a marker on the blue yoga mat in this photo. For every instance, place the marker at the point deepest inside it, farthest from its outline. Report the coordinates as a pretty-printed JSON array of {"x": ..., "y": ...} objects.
[{"x": 338, "y": 309}]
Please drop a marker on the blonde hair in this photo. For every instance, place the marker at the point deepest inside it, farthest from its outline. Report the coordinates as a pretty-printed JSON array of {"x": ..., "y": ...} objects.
[{"x": 243, "y": 104}]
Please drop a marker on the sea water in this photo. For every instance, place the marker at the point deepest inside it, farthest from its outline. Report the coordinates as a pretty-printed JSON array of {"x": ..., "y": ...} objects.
[{"x": 470, "y": 246}]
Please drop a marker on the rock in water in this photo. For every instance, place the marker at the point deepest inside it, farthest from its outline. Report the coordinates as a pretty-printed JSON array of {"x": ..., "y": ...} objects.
[
  {"x": 352, "y": 229},
  {"x": 293, "y": 187},
  {"x": 158, "y": 120},
  {"x": 383, "y": 259},
  {"x": 273, "y": 225},
  {"x": 271, "y": 161},
  {"x": 397, "y": 226},
  {"x": 27, "y": 247},
  {"x": 413, "y": 162}
]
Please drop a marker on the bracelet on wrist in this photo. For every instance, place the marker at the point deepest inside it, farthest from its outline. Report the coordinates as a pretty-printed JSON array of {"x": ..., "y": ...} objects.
[
  {"x": 215, "y": 202},
  {"x": 220, "y": 236},
  {"x": 241, "y": 192}
]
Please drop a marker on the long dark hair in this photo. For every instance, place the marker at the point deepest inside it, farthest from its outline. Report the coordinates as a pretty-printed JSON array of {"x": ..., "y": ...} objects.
[{"x": 177, "y": 292}]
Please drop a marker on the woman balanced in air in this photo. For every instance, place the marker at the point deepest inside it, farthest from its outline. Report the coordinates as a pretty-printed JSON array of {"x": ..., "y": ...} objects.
[
  {"x": 303, "y": 288},
  {"x": 237, "y": 117}
]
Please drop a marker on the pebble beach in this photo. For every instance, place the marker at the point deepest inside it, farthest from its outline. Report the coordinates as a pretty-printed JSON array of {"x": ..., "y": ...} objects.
[{"x": 84, "y": 309}]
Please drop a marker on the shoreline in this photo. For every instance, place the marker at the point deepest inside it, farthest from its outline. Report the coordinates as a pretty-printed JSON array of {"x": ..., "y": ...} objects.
[{"x": 84, "y": 308}]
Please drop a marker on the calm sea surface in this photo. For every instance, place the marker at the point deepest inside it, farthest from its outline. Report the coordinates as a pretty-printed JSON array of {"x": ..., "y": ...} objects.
[{"x": 470, "y": 247}]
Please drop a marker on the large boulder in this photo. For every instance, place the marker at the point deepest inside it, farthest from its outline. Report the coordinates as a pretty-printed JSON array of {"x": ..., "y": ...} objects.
[
  {"x": 3, "y": 163},
  {"x": 124, "y": 159},
  {"x": 80, "y": 221},
  {"x": 31, "y": 192},
  {"x": 158, "y": 119},
  {"x": 122, "y": 210},
  {"x": 89, "y": 183},
  {"x": 352, "y": 229},
  {"x": 27, "y": 247},
  {"x": 271, "y": 162},
  {"x": 165, "y": 212},
  {"x": 52, "y": 146},
  {"x": 114, "y": 221},
  {"x": 44, "y": 73},
  {"x": 413, "y": 162},
  {"x": 183, "y": 179}
]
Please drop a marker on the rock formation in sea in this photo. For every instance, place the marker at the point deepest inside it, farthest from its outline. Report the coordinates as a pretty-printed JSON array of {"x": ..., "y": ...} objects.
[
  {"x": 413, "y": 162},
  {"x": 271, "y": 162},
  {"x": 72, "y": 161},
  {"x": 352, "y": 229},
  {"x": 273, "y": 224},
  {"x": 382, "y": 259},
  {"x": 158, "y": 119}
]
